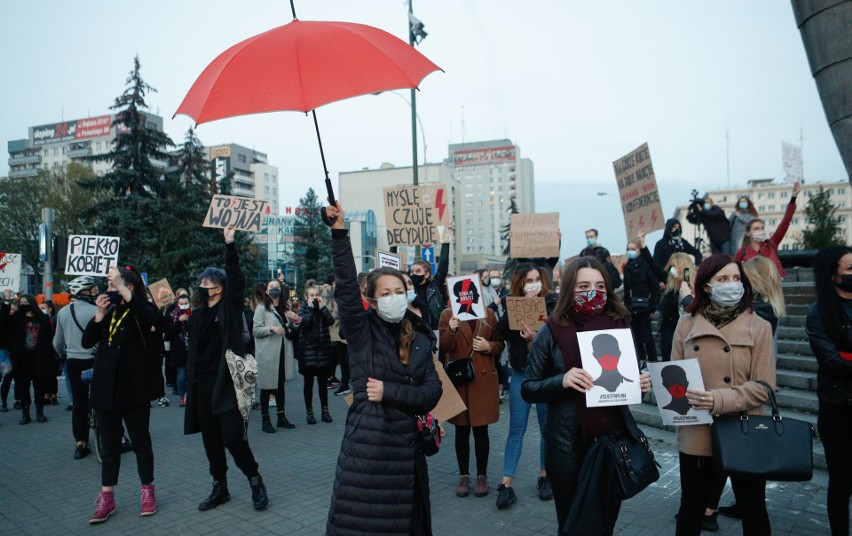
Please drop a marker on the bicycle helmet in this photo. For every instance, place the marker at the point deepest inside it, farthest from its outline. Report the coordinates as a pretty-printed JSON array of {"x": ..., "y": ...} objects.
[{"x": 80, "y": 284}]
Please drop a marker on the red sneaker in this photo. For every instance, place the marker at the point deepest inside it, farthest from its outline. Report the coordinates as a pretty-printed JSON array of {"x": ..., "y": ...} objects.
[
  {"x": 149, "y": 501},
  {"x": 106, "y": 507}
]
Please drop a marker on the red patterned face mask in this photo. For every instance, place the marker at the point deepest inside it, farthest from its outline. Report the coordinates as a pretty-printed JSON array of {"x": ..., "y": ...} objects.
[
  {"x": 589, "y": 302},
  {"x": 608, "y": 362},
  {"x": 677, "y": 391}
]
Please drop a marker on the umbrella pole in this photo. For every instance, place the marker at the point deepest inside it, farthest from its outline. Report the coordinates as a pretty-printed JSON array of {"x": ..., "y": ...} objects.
[{"x": 331, "y": 201}]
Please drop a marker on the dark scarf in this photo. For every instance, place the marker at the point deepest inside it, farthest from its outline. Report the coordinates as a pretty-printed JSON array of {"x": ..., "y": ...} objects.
[
  {"x": 676, "y": 242},
  {"x": 720, "y": 316},
  {"x": 594, "y": 422}
]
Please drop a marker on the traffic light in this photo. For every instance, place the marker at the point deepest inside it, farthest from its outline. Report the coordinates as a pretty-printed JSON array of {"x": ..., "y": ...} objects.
[{"x": 59, "y": 250}]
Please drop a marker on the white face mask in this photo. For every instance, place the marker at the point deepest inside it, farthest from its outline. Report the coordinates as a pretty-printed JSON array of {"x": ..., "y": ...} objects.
[
  {"x": 392, "y": 308},
  {"x": 673, "y": 271},
  {"x": 411, "y": 295},
  {"x": 727, "y": 294},
  {"x": 496, "y": 282},
  {"x": 760, "y": 236},
  {"x": 532, "y": 287},
  {"x": 184, "y": 307}
]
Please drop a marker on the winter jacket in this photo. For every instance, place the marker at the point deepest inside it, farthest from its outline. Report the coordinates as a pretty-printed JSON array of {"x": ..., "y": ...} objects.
[
  {"x": 128, "y": 371},
  {"x": 176, "y": 334},
  {"x": 641, "y": 280},
  {"x": 380, "y": 458},
  {"x": 314, "y": 340},
  {"x": 669, "y": 245},
  {"x": 715, "y": 223},
  {"x": 233, "y": 337},
  {"x": 769, "y": 248},
  {"x": 834, "y": 376},
  {"x": 431, "y": 293},
  {"x": 732, "y": 360},
  {"x": 482, "y": 395},
  {"x": 738, "y": 221},
  {"x": 518, "y": 347},
  {"x": 14, "y": 329},
  {"x": 267, "y": 346}
]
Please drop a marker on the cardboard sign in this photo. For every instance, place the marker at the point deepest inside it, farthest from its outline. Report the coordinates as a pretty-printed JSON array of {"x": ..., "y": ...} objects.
[
  {"x": 450, "y": 404},
  {"x": 670, "y": 380},
  {"x": 637, "y": 187},
  {"x": 389, "y": 260},
  {"x": 162, "y": 292},
  {"x": 529, "y": 311},
  {"x": 91, "y": 254},
  {"x": 10, "y": 271},
  {"x": 466, "y": 298},
  {"x": 793, "y": 168},
  {"x": 610, "y": 357},
  {"x": 535, "y": 235},
  {"x": 416, "y": 215},
  {"x": 244, "y": 213}
]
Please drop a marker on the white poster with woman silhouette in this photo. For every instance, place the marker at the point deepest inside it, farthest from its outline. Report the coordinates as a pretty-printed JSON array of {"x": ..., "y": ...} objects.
[
  {"x": 466, "y": 297},
  {"x": 670, "y": 380},
  {"x": 610, "y": 357}
]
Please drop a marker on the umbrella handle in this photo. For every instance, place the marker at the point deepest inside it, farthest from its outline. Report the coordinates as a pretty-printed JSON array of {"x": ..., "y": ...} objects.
[{"x": 331, "y": 201}]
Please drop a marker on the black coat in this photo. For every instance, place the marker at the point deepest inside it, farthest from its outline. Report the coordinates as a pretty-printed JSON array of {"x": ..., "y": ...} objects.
[
  {"x": 642, "y": 279},
  {"x": 668, "y": 246},
  {"x": 178, "y": 351},
  {"x": 518, "y": 347},
  {"x": 14, "y": 328},
  {"x": 432, "y": 295},
  {"x": 715, "y": 223},
  {"x": 602, "y": 254},
  {"x": 314, "y": 350},
  {"x": 834, "y": 376},
  {"x": 128, "y": 371},
  {"x": 231, "y": 322},
  {"x": 380, "y": 455}
]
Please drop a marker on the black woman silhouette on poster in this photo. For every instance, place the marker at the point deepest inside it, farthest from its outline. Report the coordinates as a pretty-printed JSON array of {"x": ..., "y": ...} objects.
[
  {"x": 675, "y": 382},
  {"x": 606, "y": 351},
  {"x": 467, "y": 296}
]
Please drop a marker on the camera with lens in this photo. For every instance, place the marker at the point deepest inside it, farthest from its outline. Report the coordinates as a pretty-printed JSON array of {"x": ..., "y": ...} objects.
[{"x": 696, "y": 206}]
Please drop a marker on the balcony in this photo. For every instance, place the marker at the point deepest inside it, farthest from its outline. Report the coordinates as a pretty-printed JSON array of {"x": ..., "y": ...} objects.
[
  {"x": 22, "y": 173},
  {"x": 244, "y": 179},
  {"x": 25, "y": 160},
  {"x": 77, "y": 153}
]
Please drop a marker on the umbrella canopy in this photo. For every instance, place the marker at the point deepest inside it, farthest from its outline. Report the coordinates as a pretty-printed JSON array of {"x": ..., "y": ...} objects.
[{"x": 303, "y": 65}]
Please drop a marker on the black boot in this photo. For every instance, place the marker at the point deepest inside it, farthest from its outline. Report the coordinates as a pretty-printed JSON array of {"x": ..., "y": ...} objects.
[
  {"x": 25, "y": 415},
  {"x": 309, "y": 416},
  {"x": 218, "y": 496},
  {"x": 326, "y": 416},
  {"x": 258, "y": 493},
  {"x": 267, "y": 425},
  {"x": 40, "y": 414},
  {"x": 283, "y": 422}
]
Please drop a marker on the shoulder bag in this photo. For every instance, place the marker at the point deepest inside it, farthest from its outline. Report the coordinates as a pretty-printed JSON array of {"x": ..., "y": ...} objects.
[
  {"x": 763, "y": 447},
  {"x": 635, "y": 465},
  {"x": 461, "y": 371}
]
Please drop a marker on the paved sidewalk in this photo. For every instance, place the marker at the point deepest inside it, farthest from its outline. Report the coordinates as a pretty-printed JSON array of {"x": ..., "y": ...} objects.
[{"x": 44, "y": 492}]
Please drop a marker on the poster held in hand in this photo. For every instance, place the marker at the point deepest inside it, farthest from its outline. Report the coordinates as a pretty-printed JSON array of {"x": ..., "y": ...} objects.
[
  {"x": 389, "y": 260},
  {"x": 610, "y": 357},
  {"x": 466, "y": 297},
  {"x": 793, "y": 167},
  {"x": 417, "y": 215},
  {"x": 162, "y": 292},
  {"x": 244, "y": 213},
  {"x": 91, "y": 254},
  {"x": 671, "y": 379},
  {"x": 10, "y": 271},
  {"x": 637, "y": 187},
  {"x": 535, "y": 235},
  {"x": 529, "y": 311}
]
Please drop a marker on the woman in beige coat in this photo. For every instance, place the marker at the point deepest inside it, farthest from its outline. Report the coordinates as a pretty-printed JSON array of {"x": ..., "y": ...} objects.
[
  {"x": 479, "y": 340},
  {"x": 735, "y": 350}
]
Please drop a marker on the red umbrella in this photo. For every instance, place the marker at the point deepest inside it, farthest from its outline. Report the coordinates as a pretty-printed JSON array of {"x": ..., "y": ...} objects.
[{"x": 302, "y": 65}]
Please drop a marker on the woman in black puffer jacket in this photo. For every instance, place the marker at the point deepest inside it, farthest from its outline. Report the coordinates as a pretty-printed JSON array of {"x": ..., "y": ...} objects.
[
  {"x": 314, "y": 354},
  {"x": 642, "y": 277},
  {"x": 382, "y": 481}
]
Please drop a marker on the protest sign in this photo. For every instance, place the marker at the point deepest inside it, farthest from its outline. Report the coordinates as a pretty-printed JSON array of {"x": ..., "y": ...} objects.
[
  {"x": 450, "y": 404},
  {"x": 162, "y": 292},
  {"x": 793, "y": 168},
  {"x": 610, "y": 357},
  {"x": 10, "y": 271},
  {"x": 91, "y": 254},
  {"x": 529, "y": 311},
  {"x": 534, "y": 235},
  {"x": 389, "y": 260},
  {"x": 417, "y": 215},
  {"x": 637, "y": 187},
  {"x": 670, "y": 380},
  {"x": 244, "y": 213},
  {"x": 466, "y": 297}
]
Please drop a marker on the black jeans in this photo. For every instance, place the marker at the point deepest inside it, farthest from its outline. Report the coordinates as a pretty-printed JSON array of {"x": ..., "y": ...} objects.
[
  {"x": 643, "y": 337},
  {"x": 482, "y": 447},
  {"x": 697, "y": 475},
  {"x": 6, "y": 386},
  {"x": 835, "y": 429},
  {"x": 80, "y": 394},
  {"x": 23, "y": 379},
  {"x": 109, "y": 427},
  {"x": 322, "y": 376},
  {"x": 219, "y": 432},
  {"x": 341, "y": 353}
]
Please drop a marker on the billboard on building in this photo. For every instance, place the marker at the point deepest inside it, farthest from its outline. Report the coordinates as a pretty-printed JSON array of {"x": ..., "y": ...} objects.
[
  {"x": 81, "y": 129},
  {"x": 487, "y": 155}
]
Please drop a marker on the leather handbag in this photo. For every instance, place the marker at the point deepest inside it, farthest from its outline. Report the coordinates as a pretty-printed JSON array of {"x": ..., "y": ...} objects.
[
  {"x": 430, "y": 434},
  {"x": 461, "y": 371},
  {"x": 635, "y": 465},
  {"x": 638, "y": 304},
  {"x": 763, "y": 447}
]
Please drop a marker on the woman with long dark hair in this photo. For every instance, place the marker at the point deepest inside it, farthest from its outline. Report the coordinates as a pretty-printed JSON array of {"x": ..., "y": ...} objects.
[
  {"x": 382, "y": 481},
  {"x": 127, "y": 377},
  {"x": 829, "y": 328},
  {"x": 555, "y": 375},
  {"x": 735, "y": 351}
]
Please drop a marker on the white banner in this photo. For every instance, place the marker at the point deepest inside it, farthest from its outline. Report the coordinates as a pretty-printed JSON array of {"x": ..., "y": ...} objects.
[
  {"x": 10, "y": 271},
  {"x": 793, "y": 167},
  {"x": 91, "y": 254}
]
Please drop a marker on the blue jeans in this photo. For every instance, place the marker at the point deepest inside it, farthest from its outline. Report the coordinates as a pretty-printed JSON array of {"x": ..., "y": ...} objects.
[
  {"x": 181, "y": 381},
  {"x": 519, "y": 412}
]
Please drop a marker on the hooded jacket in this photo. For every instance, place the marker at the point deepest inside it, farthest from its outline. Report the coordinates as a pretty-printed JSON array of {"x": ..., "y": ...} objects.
[
  {"x": 668, "y": 245},
  {"x": 715, "y": 223}
]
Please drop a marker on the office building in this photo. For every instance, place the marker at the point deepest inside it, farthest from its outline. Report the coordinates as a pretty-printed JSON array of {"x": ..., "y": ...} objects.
[{"x": 252, "y": 174}]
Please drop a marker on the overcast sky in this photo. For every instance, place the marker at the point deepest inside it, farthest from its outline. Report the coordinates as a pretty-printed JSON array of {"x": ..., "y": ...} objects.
[{"x": 575, "y": 84}]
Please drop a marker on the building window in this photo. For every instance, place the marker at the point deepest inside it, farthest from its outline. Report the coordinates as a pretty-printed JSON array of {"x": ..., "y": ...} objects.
[
  {"x": 241, "y": 158},
  {"x": 795, "y": 220},
  {"x": 770, "y": 195},
  {"x": 760, "y": 195},
  {"x": 841, "y": 191},
  {"x": 761, "y": 208},
  {"x": 784, "y": 195},
  {"x": 772, "y": 221},
  {"x": 55, "y": 151}
]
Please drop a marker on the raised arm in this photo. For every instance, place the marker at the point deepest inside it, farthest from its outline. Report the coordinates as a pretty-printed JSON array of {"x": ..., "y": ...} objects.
[
  {"x": 443, "y": 265},
  {"x": 353, "y": 318},
  {"x": 781, "y": 231},
  {"x": 236, "y": 283}
]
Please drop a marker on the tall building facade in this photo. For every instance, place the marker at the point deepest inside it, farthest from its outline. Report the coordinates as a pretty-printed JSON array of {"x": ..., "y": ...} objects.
[{"x": 252, "y": 174}]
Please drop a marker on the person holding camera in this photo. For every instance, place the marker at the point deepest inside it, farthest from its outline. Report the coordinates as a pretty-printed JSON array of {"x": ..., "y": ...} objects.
[
  {"x": 705, "y": 212},
  {"x": 314, "y": 354}
]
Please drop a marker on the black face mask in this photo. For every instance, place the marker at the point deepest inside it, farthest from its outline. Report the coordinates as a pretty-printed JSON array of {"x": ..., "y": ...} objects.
[
  {"x": 846, "y": 284},
  {"x": 416, "y": 279},
  {"x": 24, "y": 308},
  {"x": 114, "y": 297},
  {"x": 676, "y": 233},
  {"x": 204, "y": 294},
  {"x": 274, "y": 293},
  {"x": 86, "y": 298}
]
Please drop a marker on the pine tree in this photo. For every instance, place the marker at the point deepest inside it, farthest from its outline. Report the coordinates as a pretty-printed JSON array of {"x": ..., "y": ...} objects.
[
  {"x": 823, "y": 227},
  {"x": 509, "y": 268},
  {"x": 315, "y": 237}
]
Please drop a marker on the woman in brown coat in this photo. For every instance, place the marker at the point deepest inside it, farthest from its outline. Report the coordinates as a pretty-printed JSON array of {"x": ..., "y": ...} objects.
[{"x": 479, "y": 340}]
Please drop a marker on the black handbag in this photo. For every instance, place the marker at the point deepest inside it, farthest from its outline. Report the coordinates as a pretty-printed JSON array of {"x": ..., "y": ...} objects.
[
  {"x": 638, "y": 304},
  {"x": 763, "y": 447},
  {"x": 635, "y": 465},
  {"x": 461, "y": 371},
  {"x": 430, "y": 434}
]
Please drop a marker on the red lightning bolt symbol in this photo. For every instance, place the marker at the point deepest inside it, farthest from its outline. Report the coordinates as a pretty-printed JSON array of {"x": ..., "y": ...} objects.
[
  {"x": 3, "y": 266},
  {"x": 654, "y": 218},
  {"x": 439, "y": 204},
  {"x": 641, "y": 221}
]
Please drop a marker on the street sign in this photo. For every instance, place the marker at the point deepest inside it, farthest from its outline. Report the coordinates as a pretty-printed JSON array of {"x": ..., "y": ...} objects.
[{"x": 428, "y": 254}]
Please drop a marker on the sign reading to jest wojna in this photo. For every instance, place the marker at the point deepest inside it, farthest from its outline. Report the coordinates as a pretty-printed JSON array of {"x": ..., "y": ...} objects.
[
  {"x": 91, "y": 254},
  {"x": 244, "y": 213},
  {"x": 416, "y": 215},
  {"x": 637, "y": 187}
]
